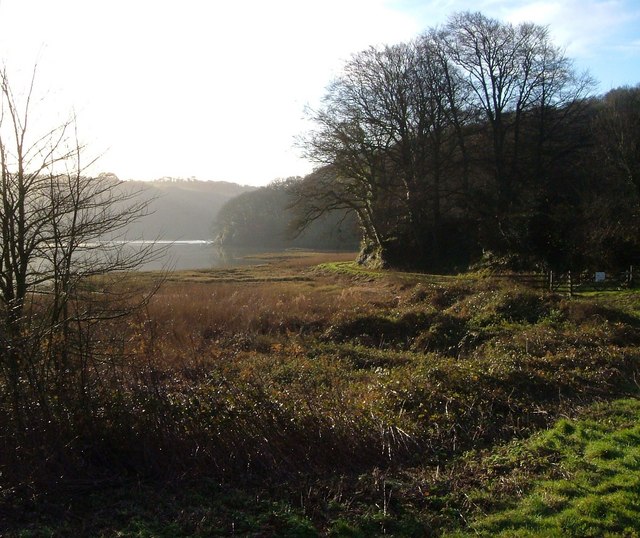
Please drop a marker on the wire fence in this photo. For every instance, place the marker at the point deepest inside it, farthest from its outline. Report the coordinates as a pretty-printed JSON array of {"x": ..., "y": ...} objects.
[{"x": 572, "y": 282}]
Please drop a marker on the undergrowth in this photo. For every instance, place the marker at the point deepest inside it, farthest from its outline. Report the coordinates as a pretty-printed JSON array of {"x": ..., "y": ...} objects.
[{"x": 340, "y": 403}]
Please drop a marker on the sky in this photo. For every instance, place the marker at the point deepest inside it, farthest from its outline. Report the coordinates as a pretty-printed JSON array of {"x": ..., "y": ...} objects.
[{"x": 217, "y": 89}]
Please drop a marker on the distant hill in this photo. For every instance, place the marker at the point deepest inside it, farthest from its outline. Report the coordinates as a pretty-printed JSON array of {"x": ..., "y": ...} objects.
[{"x": 181, "y": 209}]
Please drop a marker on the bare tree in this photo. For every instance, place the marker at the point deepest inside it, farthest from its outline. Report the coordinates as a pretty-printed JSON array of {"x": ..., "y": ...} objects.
[
  {"x": 617, "y": 128},
  {"x": 58, "y": 233},
  {"x": 528, "y": 92},
  {"x": 498, "y": 62},
  {"x": 384, "y": 130},
  {"x": 350, "y": 140}
]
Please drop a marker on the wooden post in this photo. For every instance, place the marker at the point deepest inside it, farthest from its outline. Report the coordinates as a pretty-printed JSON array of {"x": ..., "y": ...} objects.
[{"x": 570, "y": 285}]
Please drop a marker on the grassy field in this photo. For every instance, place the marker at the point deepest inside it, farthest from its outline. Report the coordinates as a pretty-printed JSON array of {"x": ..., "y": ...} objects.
[{"x": 304, "y": 396}]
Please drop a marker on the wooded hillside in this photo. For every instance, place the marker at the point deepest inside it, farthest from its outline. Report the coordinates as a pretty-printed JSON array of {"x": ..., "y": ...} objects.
[{"x": 266, "y": 217}]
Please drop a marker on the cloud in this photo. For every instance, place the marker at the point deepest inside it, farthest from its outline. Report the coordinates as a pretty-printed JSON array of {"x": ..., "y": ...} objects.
[
  {"x": 584, "y": 27},
  {"x": 633, "y": 45}
]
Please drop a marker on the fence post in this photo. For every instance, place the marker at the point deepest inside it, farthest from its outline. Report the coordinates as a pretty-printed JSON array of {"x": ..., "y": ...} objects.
[
  {"x": 570, "y": 285},
  {"x": 550, "y": 280}
]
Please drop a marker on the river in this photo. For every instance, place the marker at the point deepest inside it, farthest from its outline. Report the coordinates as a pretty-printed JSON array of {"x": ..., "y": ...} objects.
[{"x": 193, "y": 254}]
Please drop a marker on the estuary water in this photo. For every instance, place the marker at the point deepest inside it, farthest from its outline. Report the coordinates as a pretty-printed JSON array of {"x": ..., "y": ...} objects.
[{"x": 192, "y": 254}]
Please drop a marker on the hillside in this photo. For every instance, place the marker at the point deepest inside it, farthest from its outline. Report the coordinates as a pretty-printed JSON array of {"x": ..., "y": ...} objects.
[{"x": 181, "y": 209}]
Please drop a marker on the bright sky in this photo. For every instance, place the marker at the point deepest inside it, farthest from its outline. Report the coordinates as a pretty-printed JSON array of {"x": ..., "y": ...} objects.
[{"x": 216, "y": 89}]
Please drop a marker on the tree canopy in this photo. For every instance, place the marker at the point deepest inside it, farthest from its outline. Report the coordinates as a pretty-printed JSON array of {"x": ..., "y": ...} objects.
[{"x": 475, "y": 139}]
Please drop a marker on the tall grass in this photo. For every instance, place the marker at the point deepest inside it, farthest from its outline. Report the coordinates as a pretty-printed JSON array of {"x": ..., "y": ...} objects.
[{"x": 321, "y": 375}]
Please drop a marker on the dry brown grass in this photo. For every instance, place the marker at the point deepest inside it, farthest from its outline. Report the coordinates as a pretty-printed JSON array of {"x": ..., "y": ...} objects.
[
  {"x": 290, "y": 377},
  {"x": 282, "y": 297},
  {"x": 282, "y": 368},
  {"x": 290, "y": 266}
]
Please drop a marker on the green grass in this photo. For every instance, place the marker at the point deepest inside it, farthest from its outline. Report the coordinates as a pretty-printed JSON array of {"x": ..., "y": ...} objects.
[
  {"x": 589, "y": 484},
  {"x": 350, "y": 268},
  {"x": 354, "y": 269}
]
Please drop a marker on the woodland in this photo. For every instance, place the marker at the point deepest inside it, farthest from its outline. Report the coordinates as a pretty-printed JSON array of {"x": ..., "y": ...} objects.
[{"x": 476, "y": 144}]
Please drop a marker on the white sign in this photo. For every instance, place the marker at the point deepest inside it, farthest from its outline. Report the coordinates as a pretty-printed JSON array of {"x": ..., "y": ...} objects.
[{"x": 600, "y": 276}]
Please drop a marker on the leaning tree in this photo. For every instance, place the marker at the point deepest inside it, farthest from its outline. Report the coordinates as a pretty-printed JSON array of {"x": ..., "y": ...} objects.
[{"x": 384, "y": 133}]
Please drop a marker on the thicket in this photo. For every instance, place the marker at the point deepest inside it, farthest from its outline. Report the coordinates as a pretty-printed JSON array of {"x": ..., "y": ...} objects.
[{"x": 58, "y": 281}]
